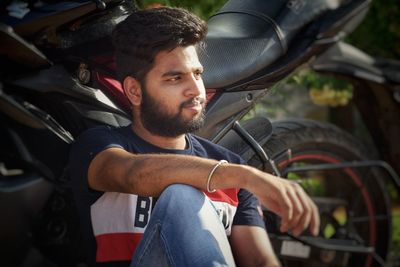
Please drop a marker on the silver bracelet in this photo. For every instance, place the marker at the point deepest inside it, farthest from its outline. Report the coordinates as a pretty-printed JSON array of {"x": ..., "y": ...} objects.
[{"x": 211, "y": 174}]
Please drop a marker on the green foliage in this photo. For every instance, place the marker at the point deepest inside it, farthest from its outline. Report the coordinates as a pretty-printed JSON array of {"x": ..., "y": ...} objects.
[
  {"x": 324, "y": 90},
  {"x": 311, "y": 184},
  {"x": 396, "y": 232},
  {"x": 379, "y": 33},
  {"x": 204, "y": 8},
  {"x": 312, "y": 79},
  {"x": 393, "y": 193},
  {"x": 329, "y": 231}
]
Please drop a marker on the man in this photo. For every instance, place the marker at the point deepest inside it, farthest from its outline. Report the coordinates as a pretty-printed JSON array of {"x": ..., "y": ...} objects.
[{"x": 156, "y": 194}]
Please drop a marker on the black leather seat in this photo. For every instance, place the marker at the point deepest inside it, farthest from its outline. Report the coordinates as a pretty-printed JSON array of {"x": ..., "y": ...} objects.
[{"x": 247, "y": 36}]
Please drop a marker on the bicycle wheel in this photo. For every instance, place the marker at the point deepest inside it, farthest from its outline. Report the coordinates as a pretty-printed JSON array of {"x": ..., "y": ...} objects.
[{"x": 353, "y": 204}]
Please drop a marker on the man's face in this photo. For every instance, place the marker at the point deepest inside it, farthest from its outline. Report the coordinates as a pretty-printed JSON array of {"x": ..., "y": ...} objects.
[{"x": 173, "y": 95}]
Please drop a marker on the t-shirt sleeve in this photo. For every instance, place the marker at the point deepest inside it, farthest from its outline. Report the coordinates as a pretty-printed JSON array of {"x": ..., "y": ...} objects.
[
  {"x": 83, "y": 151},
  {"x": 249, "y": 210}
]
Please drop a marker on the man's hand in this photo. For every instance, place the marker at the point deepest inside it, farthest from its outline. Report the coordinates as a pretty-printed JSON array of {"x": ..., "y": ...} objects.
[{"x": 288, "y": 200}]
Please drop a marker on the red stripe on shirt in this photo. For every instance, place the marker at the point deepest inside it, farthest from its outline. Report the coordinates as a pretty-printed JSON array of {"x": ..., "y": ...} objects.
[
  {"x": 116, "y": 246},
  {"x": 228, "y": 196}
]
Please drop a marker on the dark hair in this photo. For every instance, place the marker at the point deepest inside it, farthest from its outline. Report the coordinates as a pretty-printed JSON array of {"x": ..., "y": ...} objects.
[{"x": 145, "y": 33}]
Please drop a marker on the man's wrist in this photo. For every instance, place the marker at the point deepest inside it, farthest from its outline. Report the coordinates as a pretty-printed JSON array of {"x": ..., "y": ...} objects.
[
  {"x": 235, "y": 176},
  {"x": 249, "y": 177},
  {"x": 239, "y": 176}
]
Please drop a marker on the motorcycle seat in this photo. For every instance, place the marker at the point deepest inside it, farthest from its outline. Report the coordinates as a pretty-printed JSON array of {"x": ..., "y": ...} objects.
[
  {"x": 245, "y": 37},
  {"x": 237, "y": 45}
]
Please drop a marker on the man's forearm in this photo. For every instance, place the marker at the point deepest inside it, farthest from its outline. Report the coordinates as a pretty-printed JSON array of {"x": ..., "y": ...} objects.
[{"x": 149, "y": 174}]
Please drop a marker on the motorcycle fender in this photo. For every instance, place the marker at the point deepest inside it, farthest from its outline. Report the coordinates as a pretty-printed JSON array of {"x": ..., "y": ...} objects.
[
  {"x": 347, "y": 60},
  {"x": 260, "y": 130}
]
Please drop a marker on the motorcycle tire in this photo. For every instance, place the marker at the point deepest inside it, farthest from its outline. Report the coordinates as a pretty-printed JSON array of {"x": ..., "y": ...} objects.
[{"x": 357, "y": 206}]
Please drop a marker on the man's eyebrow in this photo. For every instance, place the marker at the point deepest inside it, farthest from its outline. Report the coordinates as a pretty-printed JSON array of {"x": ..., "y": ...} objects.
[
  {"x": 178, "y": 72},
  {"x": 172, "y": 73}
]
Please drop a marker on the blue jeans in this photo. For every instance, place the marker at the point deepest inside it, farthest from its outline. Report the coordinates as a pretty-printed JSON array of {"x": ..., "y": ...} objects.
[{"x": 184, "y": 230}]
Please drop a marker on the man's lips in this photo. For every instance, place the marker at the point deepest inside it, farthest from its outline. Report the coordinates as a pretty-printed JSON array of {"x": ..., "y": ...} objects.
[
  {"x": 196, "y": 105},
  {"x": 193, "y": 104}
]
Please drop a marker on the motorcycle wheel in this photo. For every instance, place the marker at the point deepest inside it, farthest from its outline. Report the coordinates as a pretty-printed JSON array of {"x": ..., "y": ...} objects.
[{"x": 353, "y": 203}]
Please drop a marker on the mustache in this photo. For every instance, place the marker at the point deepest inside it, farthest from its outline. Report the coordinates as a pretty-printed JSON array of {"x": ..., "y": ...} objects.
[{"x": 193, "y": 101}]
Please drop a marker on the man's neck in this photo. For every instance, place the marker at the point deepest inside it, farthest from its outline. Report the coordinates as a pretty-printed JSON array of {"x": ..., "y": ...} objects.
[{"x": 160, "y": 141}]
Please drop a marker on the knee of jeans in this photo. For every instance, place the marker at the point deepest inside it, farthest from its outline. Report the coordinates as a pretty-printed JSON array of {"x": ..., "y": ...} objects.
[{"x": 182, "y": 194}]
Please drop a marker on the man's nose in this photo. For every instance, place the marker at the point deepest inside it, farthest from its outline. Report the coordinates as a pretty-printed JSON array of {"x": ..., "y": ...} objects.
[{"x": 195, "y": 86}]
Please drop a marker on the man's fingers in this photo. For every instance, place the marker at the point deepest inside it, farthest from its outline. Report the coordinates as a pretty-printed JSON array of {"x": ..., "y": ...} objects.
[
  {"x": 305, "y": 212},
  {"x": 288, "y": 200},
  {"x": 315, "y": 220},
  {"x": 298, "y": 206},
  {"x": 286, "y": 210},
  {"x": 303, "y": 223},
  {"x": 311, "y": 217}
]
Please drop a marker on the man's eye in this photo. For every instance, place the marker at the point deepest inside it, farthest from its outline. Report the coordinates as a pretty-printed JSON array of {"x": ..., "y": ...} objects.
[
  {"x": 198, "y": 74},
  {"x": 174, "y": 79}
]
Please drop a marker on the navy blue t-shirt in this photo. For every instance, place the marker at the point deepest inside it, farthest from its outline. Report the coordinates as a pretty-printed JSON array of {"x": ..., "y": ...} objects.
[{"x": 109, "y": 220}]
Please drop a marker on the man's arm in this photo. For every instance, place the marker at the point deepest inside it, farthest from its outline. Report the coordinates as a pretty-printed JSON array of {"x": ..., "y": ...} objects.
[
  {"x": 251, "y": 247},
  {"x": 117, "y": 170}
]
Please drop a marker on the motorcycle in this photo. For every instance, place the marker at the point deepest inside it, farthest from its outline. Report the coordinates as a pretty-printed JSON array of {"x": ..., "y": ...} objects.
[{"x": 57, "y": 78}]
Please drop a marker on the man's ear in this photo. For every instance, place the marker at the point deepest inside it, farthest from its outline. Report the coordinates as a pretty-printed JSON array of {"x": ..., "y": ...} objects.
[{"x": 133, "y": 90}]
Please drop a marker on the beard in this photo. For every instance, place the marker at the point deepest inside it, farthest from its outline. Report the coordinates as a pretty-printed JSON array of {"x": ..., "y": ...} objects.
[{"x": 159, "y": 121}]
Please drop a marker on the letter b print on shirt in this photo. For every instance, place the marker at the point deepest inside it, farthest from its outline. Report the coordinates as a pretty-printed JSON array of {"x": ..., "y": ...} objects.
[{"x": 143, "y": 208}]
